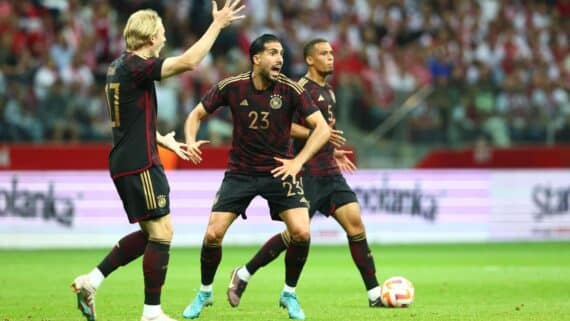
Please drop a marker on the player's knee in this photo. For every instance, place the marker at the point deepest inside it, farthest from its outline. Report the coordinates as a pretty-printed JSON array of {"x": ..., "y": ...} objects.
[
  {"x": 355, "y": 227},
  {"x": 301, "y": 235},
  {"x": 213, "y": 236}
]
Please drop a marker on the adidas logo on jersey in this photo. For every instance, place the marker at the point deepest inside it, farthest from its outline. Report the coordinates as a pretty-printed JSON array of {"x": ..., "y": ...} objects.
[
  {"x": 321, "y": 98},
  {"x": 244, "y": 103}
]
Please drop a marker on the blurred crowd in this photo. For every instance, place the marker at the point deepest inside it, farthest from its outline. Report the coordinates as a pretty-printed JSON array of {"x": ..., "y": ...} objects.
[{"x": 495, "y": 69}]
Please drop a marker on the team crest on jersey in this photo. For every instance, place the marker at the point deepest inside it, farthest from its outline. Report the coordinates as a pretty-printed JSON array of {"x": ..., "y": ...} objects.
[
  {"x": 161, "y": 200},
  {"x": 332, "y": 95},
  {"x": 321, "y": 98},
  {"x": 275, "y": 102}
]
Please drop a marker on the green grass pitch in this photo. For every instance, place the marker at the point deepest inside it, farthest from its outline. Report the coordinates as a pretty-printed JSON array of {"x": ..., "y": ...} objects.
[{"x": 483, "y": 282}]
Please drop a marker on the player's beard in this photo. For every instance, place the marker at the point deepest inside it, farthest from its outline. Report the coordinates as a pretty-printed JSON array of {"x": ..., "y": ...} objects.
[{"x": 266, "y": 75}]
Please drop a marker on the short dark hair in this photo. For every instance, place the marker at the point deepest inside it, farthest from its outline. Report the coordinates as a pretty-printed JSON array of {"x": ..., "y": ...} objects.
[
  {"x": 258, "y": 45},
  {"x": 310, "y": 45}
]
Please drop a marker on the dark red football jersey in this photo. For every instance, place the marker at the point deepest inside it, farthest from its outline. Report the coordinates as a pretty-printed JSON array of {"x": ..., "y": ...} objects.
[
  {"x": 323, "y": 162},
  {"x": 131, "y": 99},
  {"x": 261, "y": 118}
]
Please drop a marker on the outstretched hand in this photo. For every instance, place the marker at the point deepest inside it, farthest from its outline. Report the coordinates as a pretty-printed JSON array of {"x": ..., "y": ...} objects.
[
  {"x": 177, "y": 147},
  {"x": 228, "y": 13},
  {"x": 289, "y": 167},
  {"x": 336, "y": 138},
  {"x": 194, "y": 151},
  {"x": 343, "y": 162},
  {"x": 336, "y": 135}
]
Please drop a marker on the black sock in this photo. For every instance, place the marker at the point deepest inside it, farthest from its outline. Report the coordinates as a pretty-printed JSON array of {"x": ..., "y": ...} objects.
[
  {"x": 210, "y": 258},
  {"x": 295, "y": 259},
  {"x": 125, "y": 251},
  {"x": 155, "y": 265},
  {"x": 267, "y": 253},
  {"x": 363, "y": 259}
]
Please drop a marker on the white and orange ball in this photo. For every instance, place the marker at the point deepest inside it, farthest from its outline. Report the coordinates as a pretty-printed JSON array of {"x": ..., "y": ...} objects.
[{"x": 397, "y": 292}]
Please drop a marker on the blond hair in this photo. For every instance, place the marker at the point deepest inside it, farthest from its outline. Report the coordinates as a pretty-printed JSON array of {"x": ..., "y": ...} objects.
[{"x": 140, "y": 27}]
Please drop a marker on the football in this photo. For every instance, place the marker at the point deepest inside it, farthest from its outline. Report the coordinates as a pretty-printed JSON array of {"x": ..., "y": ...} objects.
[{"x": 397, "y": 292}]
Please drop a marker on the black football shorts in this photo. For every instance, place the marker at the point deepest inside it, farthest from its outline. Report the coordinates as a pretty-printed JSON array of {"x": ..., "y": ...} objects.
[
  {"x": 237, "y": 191},
  {"x": 327, "y": 193},
  {"x": 145, "y": 195}
]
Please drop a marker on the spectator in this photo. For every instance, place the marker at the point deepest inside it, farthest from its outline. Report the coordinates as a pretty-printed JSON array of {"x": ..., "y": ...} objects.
[{"x": 384, "y": 50}]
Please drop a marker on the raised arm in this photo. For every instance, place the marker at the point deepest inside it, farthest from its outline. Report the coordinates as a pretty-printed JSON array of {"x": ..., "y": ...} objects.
[{"x": 193, "y": 55}]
